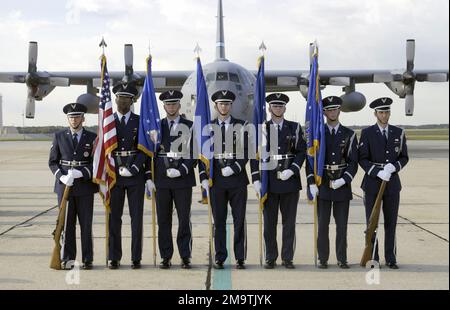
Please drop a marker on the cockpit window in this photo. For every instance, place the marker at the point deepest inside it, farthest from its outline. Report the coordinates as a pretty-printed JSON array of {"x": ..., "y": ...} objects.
[
  {"x": 234, "y": 78},
  {"x": 222, "y": 76}
]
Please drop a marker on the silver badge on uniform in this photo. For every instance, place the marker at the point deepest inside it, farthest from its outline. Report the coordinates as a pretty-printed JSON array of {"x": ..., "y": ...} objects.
[
  {"x": 86, "y": 154},
  {"x": 397, "y": 149}
]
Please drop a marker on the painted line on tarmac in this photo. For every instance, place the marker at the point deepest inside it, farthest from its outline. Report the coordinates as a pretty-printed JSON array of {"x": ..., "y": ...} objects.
[
  {"x": 222, "y": 277},
  {"x": 424, "y": 229},
  {"x": 25, "y": 222}
]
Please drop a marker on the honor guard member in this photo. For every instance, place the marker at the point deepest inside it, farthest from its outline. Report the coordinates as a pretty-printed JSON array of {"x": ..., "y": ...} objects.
[
  {"x": 335, "y": 191},
  {"x": 382, "y": 154},
  {"x": 284, "y": 181},
  {"x": 131, "y": 178},
  {"x": 229, "y": 180},
  {"x": 174, "y": 178},
  {"x": 70, "y": 161}
]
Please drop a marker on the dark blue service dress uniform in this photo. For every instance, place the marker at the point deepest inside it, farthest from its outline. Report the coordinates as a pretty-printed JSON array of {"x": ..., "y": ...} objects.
[
  {"x": 175, "y": 190},
  {"x": 374, "y": 153},
  {"x": 66, "y": 153},
  {"x": 127, "y": 155},
  {"x": 341, "y": 161},
  {"x": 289, "y": 153},
  {"x": 231, "y": 189}
]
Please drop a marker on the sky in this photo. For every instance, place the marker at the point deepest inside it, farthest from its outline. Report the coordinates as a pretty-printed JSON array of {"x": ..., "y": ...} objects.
[{"x": 352, "y": 34}]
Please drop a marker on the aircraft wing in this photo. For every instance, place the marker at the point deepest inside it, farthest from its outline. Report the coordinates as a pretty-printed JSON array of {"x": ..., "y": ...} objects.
[
  {"x": 290, "y": 80},
  {"x": 163, "y": 80}
]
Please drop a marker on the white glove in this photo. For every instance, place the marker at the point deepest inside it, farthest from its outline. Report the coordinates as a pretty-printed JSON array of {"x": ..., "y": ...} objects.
[
  {"x": 257, "y": 187},
  {"x": 314, "y": 190},
  {"x": 173, "y": 173},
  {"x": 205, "y": 185},
  {"x": 337, "y": 183},
  {"x": 385, "y": 176},
  {"x": 77, "y": 174},
  {"x": 389, "y": 168},
  {"x": 227, "y": 171},
  {"x": 149, "y": 187},
  {"x": 67, "y": 179},
  {"x": 123, "y": 171},
  {"x": 286, "y": 174}
]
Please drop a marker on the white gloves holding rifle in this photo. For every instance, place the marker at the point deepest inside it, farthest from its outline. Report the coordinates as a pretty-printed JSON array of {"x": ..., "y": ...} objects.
[
  {"x": 68, "y": 178},
  {"x": 76, "y": 173},
  {"x": 390, "y": 168},
  {"x": 384, "y": 175}
]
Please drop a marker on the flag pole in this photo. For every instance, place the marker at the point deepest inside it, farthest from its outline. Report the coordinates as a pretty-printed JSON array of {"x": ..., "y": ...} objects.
[
  {"x": 261, "y": 206},
  {"x": 107, "y": 208},
  {"x": 153, "y": 212},
  {"x": 211, "y": 239},
  {"x": 153, "y": 180},
  {"x": 315, "y": 212}
]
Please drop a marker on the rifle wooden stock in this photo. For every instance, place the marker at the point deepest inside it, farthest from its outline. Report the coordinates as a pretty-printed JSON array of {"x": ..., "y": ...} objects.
[
  {"x": 55, "y": 262},
  {"x": 372, "y": 226}
]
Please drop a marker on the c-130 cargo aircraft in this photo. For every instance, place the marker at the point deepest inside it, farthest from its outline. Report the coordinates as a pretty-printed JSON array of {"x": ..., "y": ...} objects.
[{"x": 222, "y": 74}]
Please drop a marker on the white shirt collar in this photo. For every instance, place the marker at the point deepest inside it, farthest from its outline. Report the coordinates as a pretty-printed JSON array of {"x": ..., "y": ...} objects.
[
  {"x": 79, "y": 133},
  {"x": 335, "y": 128},
  {"x": 381, "y": 129},
  {"x": 280, "y": 123},
  {"x": 176, "y": 121},
  {"x": 127, "y": 116},
  {"x": 227, "y": 121}
]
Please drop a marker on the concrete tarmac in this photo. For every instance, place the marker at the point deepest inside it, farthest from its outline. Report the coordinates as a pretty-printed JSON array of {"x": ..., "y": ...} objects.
[{"x": 28, "y": 215}]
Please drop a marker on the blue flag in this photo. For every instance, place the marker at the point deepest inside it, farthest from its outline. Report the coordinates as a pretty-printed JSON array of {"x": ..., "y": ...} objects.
[
  {"x": 202, "y": 124},
  {"x": 259, "y": 119},
  {"x": 314, "y": 124},
  {"x": 149, "y": 121}
]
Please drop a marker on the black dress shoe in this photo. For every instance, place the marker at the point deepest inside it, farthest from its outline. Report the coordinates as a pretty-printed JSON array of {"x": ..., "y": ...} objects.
[
  {"x": 343, "y": 265},
  {"x": 392, "y": 265},
  {"x": 240, "y": 264},
  {"x": 114, "y": 264},
  {"x": 323, "y": 265},
  {"x": 165, "y": 264},
  {"x": 87, "y": 266},
  {"x": 270, "y": 264},
  {"x": 136, "y": 264},
  {"x": 186, "y": 263},
  {"x": 218, "y": 264},
  {"x": 288, "y": 264}
]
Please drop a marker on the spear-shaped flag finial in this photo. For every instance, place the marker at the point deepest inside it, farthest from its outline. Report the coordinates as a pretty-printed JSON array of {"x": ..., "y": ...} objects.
[
  {"x": 262, "y": 48},
  {"x": 197, "y": 50},
  {"x": 103, "y": 45}
]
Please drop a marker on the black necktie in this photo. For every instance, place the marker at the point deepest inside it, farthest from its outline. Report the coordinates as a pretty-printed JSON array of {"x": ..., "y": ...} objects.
[
  {"x": 75, "y": 141},
  {"x": 122, "y": 121},
  {"x": 385, "y": 136},
  {"x": 171, "y": 125},
  {"x": 279, "y": 132},
  {"x": 222, "y": 128}
]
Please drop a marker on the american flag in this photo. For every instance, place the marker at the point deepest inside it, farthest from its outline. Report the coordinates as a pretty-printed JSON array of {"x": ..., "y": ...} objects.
[{"x": 104, "y": 166}]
